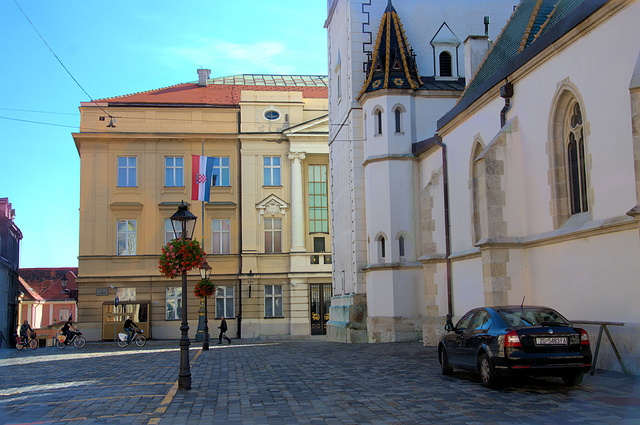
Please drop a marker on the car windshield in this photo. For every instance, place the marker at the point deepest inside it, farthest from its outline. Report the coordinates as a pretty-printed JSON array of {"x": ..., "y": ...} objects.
[{"x": 529, "y": 316}]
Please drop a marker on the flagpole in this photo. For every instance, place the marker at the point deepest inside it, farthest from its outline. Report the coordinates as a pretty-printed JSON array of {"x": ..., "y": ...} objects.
[{"x": 202, "y": 239}]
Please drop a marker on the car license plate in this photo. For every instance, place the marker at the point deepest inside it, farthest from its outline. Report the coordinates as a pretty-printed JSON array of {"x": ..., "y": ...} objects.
[{"x": 552, "y": 340}]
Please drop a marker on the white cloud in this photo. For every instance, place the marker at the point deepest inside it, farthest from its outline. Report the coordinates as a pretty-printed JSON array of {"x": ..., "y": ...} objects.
[{"x": 266, "y": 56}]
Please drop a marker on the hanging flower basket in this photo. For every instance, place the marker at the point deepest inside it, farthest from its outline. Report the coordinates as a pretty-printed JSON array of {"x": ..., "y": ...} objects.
[
  {"x": 180, "y": 255},
  {"x": 204, "y": 289}
]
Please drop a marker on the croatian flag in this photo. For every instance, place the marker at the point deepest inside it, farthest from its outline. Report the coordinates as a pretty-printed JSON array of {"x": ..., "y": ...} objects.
[{"x": 201, "y": 171}]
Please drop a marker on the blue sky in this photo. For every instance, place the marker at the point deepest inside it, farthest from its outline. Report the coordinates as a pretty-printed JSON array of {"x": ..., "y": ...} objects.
[{"x": 115, "y": 48}]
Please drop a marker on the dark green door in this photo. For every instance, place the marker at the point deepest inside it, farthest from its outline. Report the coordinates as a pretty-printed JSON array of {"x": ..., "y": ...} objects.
[{"x": 320, "y": 301}]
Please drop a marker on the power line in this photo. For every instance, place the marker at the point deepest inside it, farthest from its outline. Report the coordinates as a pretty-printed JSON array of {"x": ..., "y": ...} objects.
[
  {"x": 38, "y": 122},
  {"x": 38, "y": 112},
  {"x": 57, "y": 58}
]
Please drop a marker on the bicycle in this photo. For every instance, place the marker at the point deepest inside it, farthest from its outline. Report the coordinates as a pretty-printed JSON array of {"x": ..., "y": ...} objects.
[
  {"x": 30, "y": 341},
  {"x": 77, "y": 340},
  {"x": 137, "y": 338}
]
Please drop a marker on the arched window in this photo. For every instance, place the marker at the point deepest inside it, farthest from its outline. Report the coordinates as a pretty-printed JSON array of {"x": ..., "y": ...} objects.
[
  {"x": 475, "y": 192},
  {"x": 568, "y": 156},
  {"x": 576, "y": 161},
  {"x": 445, "y": 64},
  {"x": 398, "y": 116},
  {"x": 381, "y": 249},
  {"x": 378, "y": 115},
  {"x": 401, "y": 246}
]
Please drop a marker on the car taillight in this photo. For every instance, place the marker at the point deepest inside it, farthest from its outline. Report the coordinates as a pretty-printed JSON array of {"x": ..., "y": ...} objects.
[
  {"x": 584, "y": 337},
  {"x": 512, "y": 340}
]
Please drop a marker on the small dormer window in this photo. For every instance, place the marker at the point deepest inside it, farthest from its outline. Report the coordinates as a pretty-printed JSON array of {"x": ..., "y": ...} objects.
[
  {"x": 271, "y": 115},
  {"x": 445, "y": 64}
]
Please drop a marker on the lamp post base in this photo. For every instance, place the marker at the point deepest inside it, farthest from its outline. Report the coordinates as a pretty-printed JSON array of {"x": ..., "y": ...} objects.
[{"x": 184, "y": 377}]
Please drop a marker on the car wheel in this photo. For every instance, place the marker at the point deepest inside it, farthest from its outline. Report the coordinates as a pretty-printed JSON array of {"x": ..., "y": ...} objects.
[
  {"x": 573, "y": 378},
  {"x": 488, "y": 374},
  {"x": 444, "y": 363}
]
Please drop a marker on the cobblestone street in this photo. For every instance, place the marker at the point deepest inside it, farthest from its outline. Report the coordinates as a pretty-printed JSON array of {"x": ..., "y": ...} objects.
[{"x": 308, "y": 382}]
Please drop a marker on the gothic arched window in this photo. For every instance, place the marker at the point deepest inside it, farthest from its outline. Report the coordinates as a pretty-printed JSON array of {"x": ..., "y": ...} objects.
[{"x": 576, "y": 160}]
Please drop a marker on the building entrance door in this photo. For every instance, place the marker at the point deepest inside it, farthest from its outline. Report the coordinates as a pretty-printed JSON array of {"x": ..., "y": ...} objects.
[{"x": 320, "y": 301}]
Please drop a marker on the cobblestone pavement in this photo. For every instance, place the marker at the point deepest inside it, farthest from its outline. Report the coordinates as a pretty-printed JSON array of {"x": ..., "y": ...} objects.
[{"x": 306, "y": 382}]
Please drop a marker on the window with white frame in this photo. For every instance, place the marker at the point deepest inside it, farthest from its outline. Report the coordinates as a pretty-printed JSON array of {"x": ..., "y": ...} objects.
[
  {"x": 173, "y": 310},
  {"x": 401, "y": 246},
  {"x": 169, "y": 235},
  {"x": 225, "y": 301},
  {"x": 220, "y": 236},
  {"x": 174, "y": 171},
  {"x": 271, "y": 170},
  {"x": 272, "y": 235},
  {"x": 63, "y": 315},
  {"x": 273, "y": 301},
  {"x": 127, "y": 166},
  {"x": 221, "y": 171},
  {"x": 445, "y": 62},
  {"x": 318, "y": 199},
  {"x": 126, "y": 236}
]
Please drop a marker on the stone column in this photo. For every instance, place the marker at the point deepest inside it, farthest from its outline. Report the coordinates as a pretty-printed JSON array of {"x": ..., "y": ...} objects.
[{"x": 297, "y": 224}]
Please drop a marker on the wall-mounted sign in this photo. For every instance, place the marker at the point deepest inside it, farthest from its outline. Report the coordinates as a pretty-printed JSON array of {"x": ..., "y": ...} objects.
[{"x": 102, "y": 292}]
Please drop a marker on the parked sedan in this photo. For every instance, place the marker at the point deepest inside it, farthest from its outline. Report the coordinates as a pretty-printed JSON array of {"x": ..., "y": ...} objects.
[{"x": 497, "y": 341}]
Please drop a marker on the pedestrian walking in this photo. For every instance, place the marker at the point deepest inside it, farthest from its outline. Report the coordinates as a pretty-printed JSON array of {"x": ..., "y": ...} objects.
[{"x": 223, "y": 331}]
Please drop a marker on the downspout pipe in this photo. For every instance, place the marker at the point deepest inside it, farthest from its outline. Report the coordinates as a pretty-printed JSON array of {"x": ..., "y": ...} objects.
[
  {"x": 506, "y": 92},
  {"x": 447, "y": 225},
  {"x": 239, "y": 318}
]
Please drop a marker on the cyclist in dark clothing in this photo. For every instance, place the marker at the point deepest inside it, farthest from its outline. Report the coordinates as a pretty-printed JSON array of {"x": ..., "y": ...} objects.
[
  {"x": 67, "y": 331},
  {"x": 130, "y": 328},
  {"x": 25, "y": 330}
]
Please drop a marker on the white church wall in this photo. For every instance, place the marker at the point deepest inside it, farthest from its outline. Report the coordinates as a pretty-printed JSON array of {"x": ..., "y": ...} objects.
[
  {"x": 485, "y": 124},
  {"x": 468, "y": 287},
  {"x": 589, "y": 279},
  {"x": 431, "y": 180}
]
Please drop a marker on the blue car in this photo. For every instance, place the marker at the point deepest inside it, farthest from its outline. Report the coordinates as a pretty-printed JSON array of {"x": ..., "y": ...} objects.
[{"x": 511, "y": 340}]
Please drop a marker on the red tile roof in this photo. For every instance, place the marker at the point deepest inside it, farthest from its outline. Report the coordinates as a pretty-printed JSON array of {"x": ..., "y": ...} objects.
[
  {"x": 211, "y": 95},
  {"x": 46, "y": 283}
]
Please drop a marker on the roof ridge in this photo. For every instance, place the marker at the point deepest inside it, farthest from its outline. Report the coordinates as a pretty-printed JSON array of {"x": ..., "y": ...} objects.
[{"x": 139, "y": 92}]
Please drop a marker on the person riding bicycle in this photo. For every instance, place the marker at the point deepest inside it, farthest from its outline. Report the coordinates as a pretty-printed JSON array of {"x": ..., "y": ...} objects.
[
  {"x": 67, "y": 332},
  {"x": 25, "y": 331},
  {"x": 130, "y": 328}
]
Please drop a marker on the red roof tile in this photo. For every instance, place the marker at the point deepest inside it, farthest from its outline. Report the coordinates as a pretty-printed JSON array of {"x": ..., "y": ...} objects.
[
  {"x": 213, "y": 94},
  {"x": 47, "y": 282}
]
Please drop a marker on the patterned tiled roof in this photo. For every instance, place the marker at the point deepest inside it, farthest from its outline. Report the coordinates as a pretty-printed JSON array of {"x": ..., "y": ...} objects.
[
  {"x": 223, "y": 91},
  {"x": 534, "y": 25},
  {"x": 393, "y": 64}
]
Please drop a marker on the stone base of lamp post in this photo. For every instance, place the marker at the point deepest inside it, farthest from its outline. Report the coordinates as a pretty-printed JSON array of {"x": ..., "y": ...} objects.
[{"x": 184, "y": 377}]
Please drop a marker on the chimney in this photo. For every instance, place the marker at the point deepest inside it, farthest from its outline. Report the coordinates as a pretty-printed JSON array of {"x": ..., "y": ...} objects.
[
  {"x": 475, "y": 50},
  {"x": 203, "y": 75}
]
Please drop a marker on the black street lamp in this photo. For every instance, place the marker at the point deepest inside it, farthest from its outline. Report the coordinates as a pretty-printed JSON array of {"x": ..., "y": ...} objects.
[
  {"x": 250, "y": 280},
  {"x": 183, "y": 223},
  {"x": 205, "y": 274}
]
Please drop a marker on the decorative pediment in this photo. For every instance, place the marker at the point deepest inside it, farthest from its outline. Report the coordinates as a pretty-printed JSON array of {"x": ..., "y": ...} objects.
[
  {"x": 272, "y": 206},
  {"x": 316, "y": 126},
  {"x": 445, "y": 36}
]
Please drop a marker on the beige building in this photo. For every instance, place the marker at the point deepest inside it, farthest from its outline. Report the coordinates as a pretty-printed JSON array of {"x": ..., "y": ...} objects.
[{"x": 265, "y": 228}]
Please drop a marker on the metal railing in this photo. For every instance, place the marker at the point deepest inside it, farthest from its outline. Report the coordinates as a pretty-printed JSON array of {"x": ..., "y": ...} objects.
[{"x": 603, "y": 327}]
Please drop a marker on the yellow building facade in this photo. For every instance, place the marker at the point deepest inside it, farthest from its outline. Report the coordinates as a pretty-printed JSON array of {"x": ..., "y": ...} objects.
[{"x": 265, "y": 229}]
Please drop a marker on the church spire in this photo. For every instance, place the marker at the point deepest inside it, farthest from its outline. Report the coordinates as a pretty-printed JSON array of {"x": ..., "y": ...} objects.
[{"x": 393, "y": 64}]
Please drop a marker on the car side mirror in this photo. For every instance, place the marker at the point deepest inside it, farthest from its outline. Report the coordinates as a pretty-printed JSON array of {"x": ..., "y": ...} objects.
[{"x": 449, "y": 325}]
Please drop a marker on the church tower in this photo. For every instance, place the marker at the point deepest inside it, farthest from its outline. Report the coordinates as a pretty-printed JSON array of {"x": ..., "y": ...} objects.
[{"x": 393, "y": 275}]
